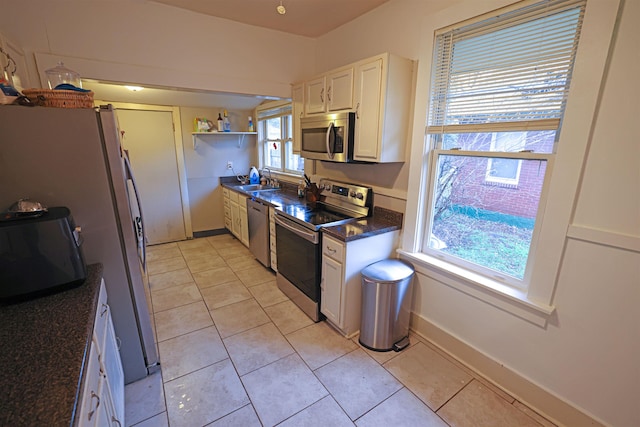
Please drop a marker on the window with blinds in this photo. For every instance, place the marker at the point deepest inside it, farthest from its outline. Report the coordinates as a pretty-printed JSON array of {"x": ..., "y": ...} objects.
[{"x": 498, "y": 92}]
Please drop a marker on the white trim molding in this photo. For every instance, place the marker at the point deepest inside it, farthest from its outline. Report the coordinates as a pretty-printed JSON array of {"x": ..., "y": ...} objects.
[{"x": 525, "y": 390}]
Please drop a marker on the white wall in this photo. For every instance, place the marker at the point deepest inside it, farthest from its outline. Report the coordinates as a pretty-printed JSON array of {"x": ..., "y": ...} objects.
[
  {"x": 151, "y": 43},
  {"x": 588, "y": 353},
  {"x": 208, "y": 162}
]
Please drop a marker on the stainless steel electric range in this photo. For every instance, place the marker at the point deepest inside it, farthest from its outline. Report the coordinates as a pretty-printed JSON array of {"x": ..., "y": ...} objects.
[{"x": 298, "y": 239}]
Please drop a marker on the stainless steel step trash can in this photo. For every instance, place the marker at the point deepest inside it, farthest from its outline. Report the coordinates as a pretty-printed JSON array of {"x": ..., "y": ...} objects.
[{"x": 386, "y": 305}]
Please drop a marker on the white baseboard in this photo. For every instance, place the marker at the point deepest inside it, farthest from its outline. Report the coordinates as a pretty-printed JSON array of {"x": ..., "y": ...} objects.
[{"x": 537, "y": 398}]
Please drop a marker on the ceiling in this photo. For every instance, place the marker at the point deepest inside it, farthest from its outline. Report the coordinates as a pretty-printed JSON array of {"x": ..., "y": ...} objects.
[
  {"x": 117, "y": 92},
  {"x": 301, "y": 18},
  {"x": 310, "y": 18}
]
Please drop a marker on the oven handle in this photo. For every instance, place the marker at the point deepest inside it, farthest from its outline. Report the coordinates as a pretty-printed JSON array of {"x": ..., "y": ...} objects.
[{"x": 311, "y": 236}]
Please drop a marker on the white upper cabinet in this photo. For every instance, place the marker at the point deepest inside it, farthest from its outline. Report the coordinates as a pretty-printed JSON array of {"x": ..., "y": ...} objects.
[
  {"x": 382, "y": 102},
  {"x": 315, "y": 95},
  {"x": 332, "y": 91},
  {"x": 340, "y": 90},
  {"x": 378, "y": 89}
]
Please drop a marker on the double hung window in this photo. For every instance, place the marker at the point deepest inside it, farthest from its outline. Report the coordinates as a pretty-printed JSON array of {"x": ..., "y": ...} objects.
[
  {"x": 498, "y": 92},
  {"x": 275, "y": 138}
]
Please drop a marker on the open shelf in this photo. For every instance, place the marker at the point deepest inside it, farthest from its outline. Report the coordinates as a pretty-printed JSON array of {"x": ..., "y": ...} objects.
[{"x": 241, "y": 135}]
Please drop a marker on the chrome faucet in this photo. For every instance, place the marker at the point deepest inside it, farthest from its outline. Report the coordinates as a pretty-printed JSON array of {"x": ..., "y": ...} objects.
[{"x": 270, "y": 180}]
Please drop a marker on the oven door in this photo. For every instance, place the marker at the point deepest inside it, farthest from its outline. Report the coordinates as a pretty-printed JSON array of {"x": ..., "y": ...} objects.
[{"x": 298, "y": 254}]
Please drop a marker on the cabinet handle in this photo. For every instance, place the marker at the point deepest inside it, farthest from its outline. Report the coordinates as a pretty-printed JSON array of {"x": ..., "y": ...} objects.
[
  {"x": 322, "y": 284},
  {"x": 329, "y": 94},
  {"x": 115, "y": 420},
  {"x": 119, "y": 343},
  {"x": 93, "y": 394},
  {"x": 105, "y": 308},
  {"x": 358, "y": 111},
  {"x": 322, "y": 95},
  {"x": 331, "y": 250}
]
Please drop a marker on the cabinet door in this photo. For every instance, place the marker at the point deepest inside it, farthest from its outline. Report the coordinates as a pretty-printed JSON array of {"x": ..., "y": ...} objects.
[
  {"x": 315, "y": 96},
  {"x": 297, "y": 111},
  {"x": 340, "y": 90},
  {"x": 368, "y": 107},
  {"x": 113, "y": 371},
  {"x": 331, "y": 288},
  {"x": 235, "y": 219},
  {"x": 244, "y": 221}
]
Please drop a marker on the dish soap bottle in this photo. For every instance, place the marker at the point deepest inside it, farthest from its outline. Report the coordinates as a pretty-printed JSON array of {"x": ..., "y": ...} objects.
[
  {"x": 254, "y": 176},
  {"x": 251, "y": 124},
  {"x": 227, "y": 124}
]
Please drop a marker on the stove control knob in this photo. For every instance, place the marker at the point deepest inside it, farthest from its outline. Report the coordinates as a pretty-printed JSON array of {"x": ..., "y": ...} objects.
[
  {"x": 360, "y": 196},
  {"x": 352, "y": 194}
]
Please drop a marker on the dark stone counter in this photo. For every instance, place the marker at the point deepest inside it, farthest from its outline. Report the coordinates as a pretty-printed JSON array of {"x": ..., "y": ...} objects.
[
  {"x": 43, "y": 346},
  {"x": 382, "y": 221}
]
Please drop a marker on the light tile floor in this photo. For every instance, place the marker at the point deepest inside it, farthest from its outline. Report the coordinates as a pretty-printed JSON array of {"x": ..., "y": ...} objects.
[{"x": 235, "y": 351}]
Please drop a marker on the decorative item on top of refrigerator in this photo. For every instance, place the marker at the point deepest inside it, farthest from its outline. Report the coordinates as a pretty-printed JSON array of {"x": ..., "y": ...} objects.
[{"x": 62, "y": 75}]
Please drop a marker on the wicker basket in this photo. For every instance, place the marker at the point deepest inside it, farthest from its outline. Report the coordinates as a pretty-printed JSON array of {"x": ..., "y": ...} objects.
[{"x": 60, "y": 98}]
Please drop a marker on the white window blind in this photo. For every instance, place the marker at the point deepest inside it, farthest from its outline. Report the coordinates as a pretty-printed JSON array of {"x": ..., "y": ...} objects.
[
  {"x": 274, "y": 112},
  {"x": 511, "y": 72}
]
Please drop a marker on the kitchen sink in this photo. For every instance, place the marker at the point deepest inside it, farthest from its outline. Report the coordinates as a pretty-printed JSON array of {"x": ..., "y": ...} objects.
[{"x": 256, "y": 187}]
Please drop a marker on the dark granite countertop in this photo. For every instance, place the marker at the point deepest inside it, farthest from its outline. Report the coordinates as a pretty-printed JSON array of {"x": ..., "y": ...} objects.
[
  {"x": 382, "y": 220},
  {"x": 43, "y": 346}
]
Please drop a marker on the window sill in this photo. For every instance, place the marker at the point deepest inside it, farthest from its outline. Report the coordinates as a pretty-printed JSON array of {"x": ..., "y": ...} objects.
[{"x": 490, "y": 291}]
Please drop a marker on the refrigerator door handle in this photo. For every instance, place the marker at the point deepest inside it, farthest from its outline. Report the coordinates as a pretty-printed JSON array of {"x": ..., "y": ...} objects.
[{"x": 139, "y": 221}]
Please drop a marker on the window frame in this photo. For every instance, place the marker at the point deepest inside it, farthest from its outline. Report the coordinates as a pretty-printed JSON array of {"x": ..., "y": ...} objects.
[
  {"x": 535, "y": 304},
  {"x": 510, "y": 182},
  {"x": 283, "y": 110}
]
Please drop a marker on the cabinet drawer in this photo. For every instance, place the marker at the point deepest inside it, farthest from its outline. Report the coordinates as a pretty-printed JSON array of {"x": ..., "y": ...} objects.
[
  {"x": 227, "y": 212},
  {"x": 332, "y": 248},
  {"x": 227, "y": 203},
  {"x": 91, "y": 387},
  {"x": 233, "y": 196},
  {"x": 272, "y": 244},
  {"x": 272, "y": 229}
]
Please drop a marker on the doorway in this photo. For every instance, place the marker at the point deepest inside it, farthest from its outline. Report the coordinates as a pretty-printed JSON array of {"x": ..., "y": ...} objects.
[{"x": 149, "y": 137}]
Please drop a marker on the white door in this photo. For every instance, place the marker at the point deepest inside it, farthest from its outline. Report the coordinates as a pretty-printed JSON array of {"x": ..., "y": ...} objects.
[{"x": 149, "y": 138}]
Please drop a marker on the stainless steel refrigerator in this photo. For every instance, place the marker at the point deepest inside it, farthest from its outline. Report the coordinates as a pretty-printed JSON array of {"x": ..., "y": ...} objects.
[{"x": 73, "y": 158}]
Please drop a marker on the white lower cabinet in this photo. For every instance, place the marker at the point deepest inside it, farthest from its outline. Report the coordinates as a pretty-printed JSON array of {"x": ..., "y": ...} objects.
[
  {"x": 102, "y": 400},
  {"x": 341, "y": 283},
  {"x": 227, "y": 209},
  {"x": 244, "y": 220},
  {"x": 235, "y": 215}
]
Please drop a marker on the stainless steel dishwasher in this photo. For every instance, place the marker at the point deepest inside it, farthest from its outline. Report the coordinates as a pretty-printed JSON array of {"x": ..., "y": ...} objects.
[{"x": 258, "y": 217}]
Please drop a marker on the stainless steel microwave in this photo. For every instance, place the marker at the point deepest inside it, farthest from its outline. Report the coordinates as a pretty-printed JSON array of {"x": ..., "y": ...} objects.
[{"x": 328, "y": 137}]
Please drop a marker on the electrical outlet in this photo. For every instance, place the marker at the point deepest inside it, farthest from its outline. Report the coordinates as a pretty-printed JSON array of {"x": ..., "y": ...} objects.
[{"x": 229, "y": 164}]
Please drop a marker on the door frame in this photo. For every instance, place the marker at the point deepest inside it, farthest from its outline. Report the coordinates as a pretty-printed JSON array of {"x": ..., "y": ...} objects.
[{"x": 177, "y": 138}]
